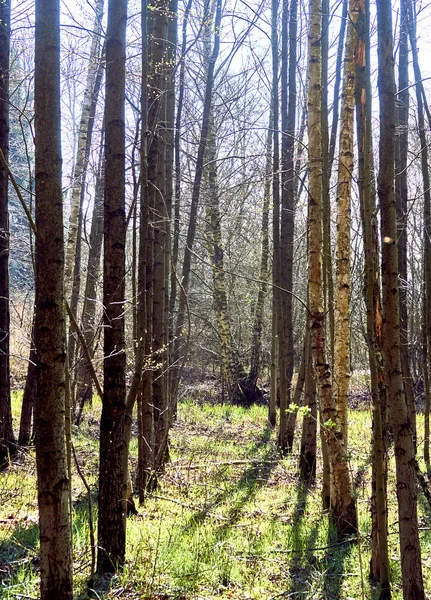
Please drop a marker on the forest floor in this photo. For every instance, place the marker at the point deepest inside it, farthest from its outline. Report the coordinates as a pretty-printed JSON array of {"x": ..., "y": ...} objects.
[{"x": 229, "y": 519}]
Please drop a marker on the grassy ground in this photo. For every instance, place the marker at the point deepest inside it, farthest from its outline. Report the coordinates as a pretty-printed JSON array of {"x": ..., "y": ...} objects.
[{"x": 229, "y": 520}]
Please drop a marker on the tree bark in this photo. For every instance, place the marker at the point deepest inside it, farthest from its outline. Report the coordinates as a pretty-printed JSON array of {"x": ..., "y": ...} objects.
[
  {"x": 397, "y": 409},
  {"x": 287, "y": 227},
  {"x": 7, "y": 439},
  {"x": 343, "y": 511},
  {"x": 344, "y": 185},
  {"x": 379, "y": 563},
  {"x": 112, "y": 480},
  {"x": 50, "y": 337},
  {"x": 401, "y": 194}
]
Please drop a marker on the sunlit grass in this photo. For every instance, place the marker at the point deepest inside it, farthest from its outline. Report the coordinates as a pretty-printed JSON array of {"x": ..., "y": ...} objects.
[{"x": 228, "y": 520}]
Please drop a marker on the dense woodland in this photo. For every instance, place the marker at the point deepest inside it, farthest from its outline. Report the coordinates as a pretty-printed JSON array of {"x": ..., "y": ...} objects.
[{"x": 229, "y": 193}]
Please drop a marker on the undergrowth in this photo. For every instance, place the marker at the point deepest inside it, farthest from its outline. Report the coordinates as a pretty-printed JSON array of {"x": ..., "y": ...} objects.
[{"x": 229, "y": 519}]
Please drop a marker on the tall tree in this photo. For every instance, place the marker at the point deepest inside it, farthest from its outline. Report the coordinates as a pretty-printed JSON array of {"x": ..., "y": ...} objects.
[
  {"x": 344, "y": 184},
  {"x": 256, "y": 346},
  {"x": 278, "y": 359},
  {"x": 52, "y": 478},
  {"x": 288, "y": 123},
  {"x": 401, "y": 194},
  {"x": 7, "y": 441},
  {"x": 343, "y": 510},
  {"x": 399, "y": 419},
  {"x": 112, "y": 478},
  {"x": 379, "y": 563},
  {"x": 409, "y": 21}
]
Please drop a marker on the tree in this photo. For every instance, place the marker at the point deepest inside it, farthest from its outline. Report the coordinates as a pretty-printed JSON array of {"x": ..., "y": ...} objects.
[
  {"x": 288, "y": 122},
  {"x": 52, "y": 479},
  {"x": 112, "y": 476},
  {"x": 342, "y": 507},
  {"x": 379, "y": 564},
  {"x": 397, "y": 410},
  {"x": 7, "y": 440},
  {"x": 344, "y": 184}
]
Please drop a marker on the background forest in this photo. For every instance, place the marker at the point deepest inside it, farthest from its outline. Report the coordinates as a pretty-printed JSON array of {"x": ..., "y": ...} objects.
[{"x": 215, "y": 299}]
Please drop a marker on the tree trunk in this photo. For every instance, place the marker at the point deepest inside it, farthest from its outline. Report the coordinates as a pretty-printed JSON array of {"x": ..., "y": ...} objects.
[
  {"x": 399, "y": 420},
  {"x": 278, "y": 322},
  {"x": 215, "y": 250},
  {"x": 379, "y": 564},
  {"x": 401, "y": 194},
  {"x": 89, "y": 326},
  {"x": 177, "y": 194},
  {"x": 256, "y": 344},
  {"x": 112, "y": 480},
  {"x": 307, "y": 458},
  {"x": 343, "y": 510},
  {"x": 7, "y": 439},
  {"x": 50, "y": 337},
  {"x": 421, "y": 104},
  {"x": 83, "y": 148},
  {"x": 344, "y": 185},
  {"x": 287, "y": 228}
]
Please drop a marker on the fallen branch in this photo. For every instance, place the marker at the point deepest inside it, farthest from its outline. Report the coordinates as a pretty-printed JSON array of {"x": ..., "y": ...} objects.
[{"x": 228, "y": 463}]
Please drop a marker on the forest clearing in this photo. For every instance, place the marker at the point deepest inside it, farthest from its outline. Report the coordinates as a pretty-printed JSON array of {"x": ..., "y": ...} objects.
[{"x": 229, "y": 520}]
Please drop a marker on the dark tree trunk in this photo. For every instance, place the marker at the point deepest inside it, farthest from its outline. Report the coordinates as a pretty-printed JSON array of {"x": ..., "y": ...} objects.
[
  {"x": 401, "y": 194},
  {"x": 50, "y": 336},
  {"x": 7, "y": 440},
  {"x": 379, "y": 563},
  {"x": 112, "y": 479},
  {"x": 397, "y": 410}
]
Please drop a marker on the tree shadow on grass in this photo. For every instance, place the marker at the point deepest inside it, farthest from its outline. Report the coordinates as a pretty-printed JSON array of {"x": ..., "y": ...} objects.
[
  {"x": 300, "y": 548},
  {"x": 252, "y": 479},
  {"x": 334, "y": 560},
  {"x": 313, "y": 568},
  {"x": 19, "y": 557}
]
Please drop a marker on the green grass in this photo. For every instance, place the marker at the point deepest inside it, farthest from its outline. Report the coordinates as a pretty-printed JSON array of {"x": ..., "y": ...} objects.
[{"x": 229, "y": 520}]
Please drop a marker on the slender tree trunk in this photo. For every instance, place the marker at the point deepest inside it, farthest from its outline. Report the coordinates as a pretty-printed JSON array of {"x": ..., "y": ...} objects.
[
  {"x": 74, "y": 239},
  {"x": 50, "y": 337},
  {"x": 343, "y": 510},
  {"x": 307, "y": 458},
  {"x": 278, "y": 322},
  {"x": 397, "y": 409},
  {"x": 410, "y": 21},
  {"x": 344, "y": 185},
  {"x": 145, "y": 285},
  {"x": 88, "y": 320},
  {"x": 328, "y": 281},
  {"x": 112, "y": 481},
  {"x": 216, "y": 254},
  {"x": 256, "y": 344},
  {"x": 7, "y": 439},
  {"x": 288, "y": 112},
  {"x": 379, "y": 564},
  {"x": 82, "y": 151},
  {"x": 177, "y": 160},
  {"x": 401, "y": 193}
]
